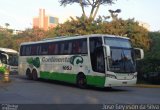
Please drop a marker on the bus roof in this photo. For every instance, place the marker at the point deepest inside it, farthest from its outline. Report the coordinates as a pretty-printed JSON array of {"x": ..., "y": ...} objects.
[
  {"x": 7, "y": 50},
  {"x": 61, "y": 38}
]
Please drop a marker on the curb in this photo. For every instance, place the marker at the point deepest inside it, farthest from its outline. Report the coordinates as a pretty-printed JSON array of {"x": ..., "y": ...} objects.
[{"x": 146, "y": 86}]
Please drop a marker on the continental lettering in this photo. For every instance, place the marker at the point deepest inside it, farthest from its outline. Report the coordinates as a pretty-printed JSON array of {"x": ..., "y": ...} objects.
[{"x": 53, "y": 59}]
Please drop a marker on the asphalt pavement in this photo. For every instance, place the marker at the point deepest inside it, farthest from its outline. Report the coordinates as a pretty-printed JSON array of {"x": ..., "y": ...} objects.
[{"x": 23, "y": 91}]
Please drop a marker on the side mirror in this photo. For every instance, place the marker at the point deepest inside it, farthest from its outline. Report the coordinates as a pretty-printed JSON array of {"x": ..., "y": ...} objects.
[
  {"x": 107, "y": 50},
  {"x": 139, "y": 53}
]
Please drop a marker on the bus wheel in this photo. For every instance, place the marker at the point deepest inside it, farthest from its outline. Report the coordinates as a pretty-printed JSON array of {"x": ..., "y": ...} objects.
[
  {"x": 34, "y": 74},
  {"x": 28, "y": 74},
  {"x": 81, "y": 81}
]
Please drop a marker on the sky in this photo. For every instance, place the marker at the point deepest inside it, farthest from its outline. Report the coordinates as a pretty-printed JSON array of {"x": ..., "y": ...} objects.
[{"x": 19, "y": 13}]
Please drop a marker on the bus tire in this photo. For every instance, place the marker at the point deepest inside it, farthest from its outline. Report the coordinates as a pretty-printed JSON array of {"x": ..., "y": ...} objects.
[
  {"x": 81, "y": 81},
  {"x": 28, "y": 74},
  {"x": 34, "y": 75}
]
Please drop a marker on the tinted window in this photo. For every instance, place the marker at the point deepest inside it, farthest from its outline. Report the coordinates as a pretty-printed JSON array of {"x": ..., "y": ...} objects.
[
  {"x": 34, "y": 50},
  {"x": 97, "y": 55},
  {"x": 3, "y": 59},
  {"x": 67, "y": 47},
  {"x": 22, "y": 49},
  {"x": 28, "y": 50},
  {"x": 94, "y": 43},
  {"x": 13, "y": 60},
  {"x": 117, "y": 42},
  {"x": 51, "y": 48},
  {"x": 44, "y": 49},
  {"x": 73, "y": 47}
]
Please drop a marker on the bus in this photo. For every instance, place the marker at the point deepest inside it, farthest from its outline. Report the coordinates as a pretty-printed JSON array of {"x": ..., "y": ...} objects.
[
  {"x": 9, "y": 59},
  {"x": 97, "y": 60}
]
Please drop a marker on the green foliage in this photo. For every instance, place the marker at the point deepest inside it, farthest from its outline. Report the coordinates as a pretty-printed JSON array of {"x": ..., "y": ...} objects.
[
  {"x": 149, "y": 68},
  {"x": 151, "y": 63},
  {"x": 2, "y": 69},
  {"x": 29, "y": 35},
  {"x": 9, "y": 40},
  {"x": 155, "y": 47},
  {"x": 6, "y": 38}
]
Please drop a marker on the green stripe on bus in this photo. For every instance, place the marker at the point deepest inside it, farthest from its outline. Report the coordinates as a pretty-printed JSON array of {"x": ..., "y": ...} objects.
[
  {"x": 71, "y": 78},
  {"x": 98, "y": 81}
]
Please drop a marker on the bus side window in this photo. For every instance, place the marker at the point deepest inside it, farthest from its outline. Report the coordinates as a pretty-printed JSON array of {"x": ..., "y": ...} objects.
[
  {"x": 62, "y": 48},
  {"x": 84, "y": 47},
  {"x": 22, "y": 50},
  {"x": 79, "y": 46},
  {"x": 3, "y": 59},
  {"x": 0, "y": 63},
  {"x": 65, "y": 48},
  {"x": 56, "y": 49},
  {"x": 38, "y": 51},
  {"x": 33, "y": 49},
  {"x": 75, "y": 47},
  {"x": 28, "y": 50},
  {"x": 44, "y": 48},
  {"x": 69, "y": 47},
  {"x": 51, "y": 48}
]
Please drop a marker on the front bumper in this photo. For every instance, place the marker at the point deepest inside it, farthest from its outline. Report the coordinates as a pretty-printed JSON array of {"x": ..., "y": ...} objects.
[{"x": 109, "y": 82}]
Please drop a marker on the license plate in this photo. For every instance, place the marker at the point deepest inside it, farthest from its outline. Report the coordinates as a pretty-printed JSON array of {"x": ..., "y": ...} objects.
[{"x": 124, "y": 82}]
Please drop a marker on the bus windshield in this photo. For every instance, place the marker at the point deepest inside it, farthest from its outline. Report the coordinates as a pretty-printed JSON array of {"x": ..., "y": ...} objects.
[
  {"x": 13, "y": 60},
  {"x": 122, "y": 60}
]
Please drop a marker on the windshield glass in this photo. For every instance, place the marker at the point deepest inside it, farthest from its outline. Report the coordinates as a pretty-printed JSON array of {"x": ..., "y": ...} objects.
[
  {"x": 13, "y": 60},
  {"x": 121, "y": 60},
  {"x": 117, "y": 42}
]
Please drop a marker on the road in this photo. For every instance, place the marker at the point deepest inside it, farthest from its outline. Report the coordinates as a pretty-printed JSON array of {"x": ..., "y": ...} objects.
[{"x": 23, "y": 91}]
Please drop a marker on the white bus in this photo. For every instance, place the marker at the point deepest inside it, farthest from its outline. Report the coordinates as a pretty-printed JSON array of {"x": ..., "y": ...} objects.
[
  {"x": 98, "y": 60},
  {"x": 9, "y": 59}
]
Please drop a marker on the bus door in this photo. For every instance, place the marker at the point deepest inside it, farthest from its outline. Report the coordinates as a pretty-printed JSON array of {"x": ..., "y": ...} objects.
[{"x": 97, "y": 55}]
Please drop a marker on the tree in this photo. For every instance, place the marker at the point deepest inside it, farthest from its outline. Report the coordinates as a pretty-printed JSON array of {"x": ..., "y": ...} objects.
[
  {"x": 7, "y": 25},
  {"x": 113, "y": 14},
  {"x": 150, "y": 65},
  {"x": 29, "y": 35},
  {"x": 94, "y": 4}
]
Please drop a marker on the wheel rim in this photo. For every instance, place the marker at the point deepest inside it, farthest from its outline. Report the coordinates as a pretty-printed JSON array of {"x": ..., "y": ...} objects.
[
  {"x": 34, "y": 73},
  {"x": 81, "y": 81},
  {"x": 29, "y": 75}
]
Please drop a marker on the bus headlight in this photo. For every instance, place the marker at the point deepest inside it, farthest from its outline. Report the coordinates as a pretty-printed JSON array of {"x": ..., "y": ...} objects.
[
  {"x": 135, "y": 76},
  {"x": 111, "y": 76}
]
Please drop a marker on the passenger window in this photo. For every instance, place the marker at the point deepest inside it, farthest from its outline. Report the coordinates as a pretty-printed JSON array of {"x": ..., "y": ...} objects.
[{"x": 44, "y": 50}]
